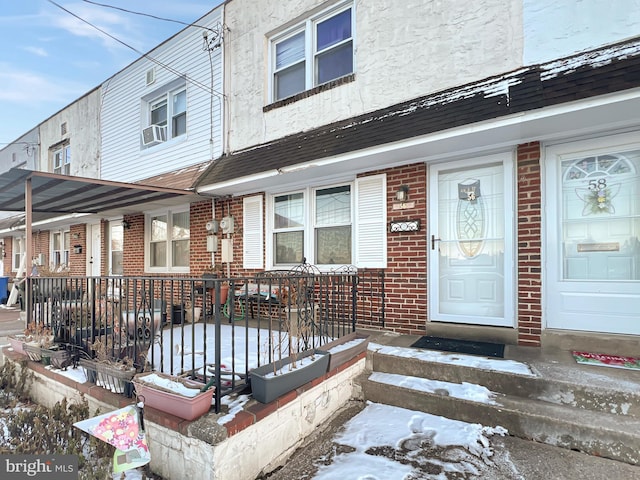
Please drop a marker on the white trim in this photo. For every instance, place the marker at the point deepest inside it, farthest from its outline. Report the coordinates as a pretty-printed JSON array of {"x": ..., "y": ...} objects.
[
  {"x": 147, "y": 239},
  {"x": 623, "y": 297},
  {"x": 253, "y": 232}
]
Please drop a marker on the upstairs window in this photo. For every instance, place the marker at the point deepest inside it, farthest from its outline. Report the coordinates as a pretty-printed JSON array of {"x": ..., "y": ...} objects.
[
  {"x": 62, "y": 160},
  {"x": 318, "y": 51},
  {"x": 166, "y": 117}
]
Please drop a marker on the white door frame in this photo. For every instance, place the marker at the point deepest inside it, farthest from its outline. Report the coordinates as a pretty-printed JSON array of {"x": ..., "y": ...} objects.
[
  {"x": 506, "y": 159},
  {"x": 594, "y": 306}
]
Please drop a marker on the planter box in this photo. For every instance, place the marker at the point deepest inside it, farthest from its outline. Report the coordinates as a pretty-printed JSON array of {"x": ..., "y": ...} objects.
[
  {"x": 345, "y": 348},
  {"x": 266, "y": 386},
  {"x": 57, "y": 357},
  {"x": 109, "y": 376},
  {"x": 17, "y": 343},
  {"x": 163, "y": 393},
  {"x": 33, "y": 351}
]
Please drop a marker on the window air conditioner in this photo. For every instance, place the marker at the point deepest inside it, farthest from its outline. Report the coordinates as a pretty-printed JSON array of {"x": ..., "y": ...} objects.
[{"x": 154, "y": 134}]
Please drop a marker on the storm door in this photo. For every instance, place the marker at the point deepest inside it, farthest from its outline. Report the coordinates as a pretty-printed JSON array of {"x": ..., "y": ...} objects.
[{"x": 471, "y": 241}]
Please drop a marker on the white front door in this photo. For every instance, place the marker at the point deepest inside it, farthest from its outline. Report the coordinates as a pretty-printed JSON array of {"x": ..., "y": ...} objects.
[
  {"x": 593, "y": 235},
  {"x": 471, "y": 241},
  {"x": 95, "y": 252}
]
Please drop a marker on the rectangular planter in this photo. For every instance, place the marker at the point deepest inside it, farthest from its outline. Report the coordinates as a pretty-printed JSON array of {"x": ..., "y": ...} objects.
[
  {"x": 164, "y": 394},
  {"x": 33, "y": 351},
  {"x": 17, "y": 342},
  {"x": 109, "y": 376},
  {"x": 345, "y": 348},
  {"x": 266, "y": 386},
  {"x": 57, "y": 357}
]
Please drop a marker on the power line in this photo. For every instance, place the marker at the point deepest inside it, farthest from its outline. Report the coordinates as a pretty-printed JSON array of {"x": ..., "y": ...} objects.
[
  {"x": 146, "y": 15},
  {"x": 148, "y": 57}
]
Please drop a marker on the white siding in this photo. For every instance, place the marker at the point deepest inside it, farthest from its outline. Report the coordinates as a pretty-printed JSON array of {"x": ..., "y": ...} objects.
[
  {"x": 123, "y": 117},
  {"x": 371, "y": 222},
  {"x": 253, "y": 232}
]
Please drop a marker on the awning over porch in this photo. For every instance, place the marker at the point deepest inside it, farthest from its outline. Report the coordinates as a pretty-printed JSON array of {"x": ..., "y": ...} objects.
[
  {"x": 54, "y": 195},
  {"x": 43, "y": 196}
]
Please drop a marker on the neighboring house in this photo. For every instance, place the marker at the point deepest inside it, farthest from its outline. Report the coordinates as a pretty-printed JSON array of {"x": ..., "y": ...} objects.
[
  {"x": 156, "y": 122},
  {"x": 486, "y": 155},
  {"x": 22, "y": 153},
  {"x": 161, "y": 123}
]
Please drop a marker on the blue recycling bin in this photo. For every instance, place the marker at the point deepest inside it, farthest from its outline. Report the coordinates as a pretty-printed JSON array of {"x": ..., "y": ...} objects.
[{"x": 4, "y": 289}]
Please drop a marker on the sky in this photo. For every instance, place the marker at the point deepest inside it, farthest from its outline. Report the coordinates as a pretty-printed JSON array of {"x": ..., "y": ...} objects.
[{"x": 49, "y": 58}]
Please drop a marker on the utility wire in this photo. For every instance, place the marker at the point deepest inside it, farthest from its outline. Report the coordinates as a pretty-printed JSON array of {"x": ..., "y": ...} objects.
[
  {"x": 148, "y": 57},
  {"x": 146, "y": 15}
]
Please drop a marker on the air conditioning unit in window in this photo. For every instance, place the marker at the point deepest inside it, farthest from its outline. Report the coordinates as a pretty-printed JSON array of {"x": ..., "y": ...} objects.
[{"x": 154, "y": 134}]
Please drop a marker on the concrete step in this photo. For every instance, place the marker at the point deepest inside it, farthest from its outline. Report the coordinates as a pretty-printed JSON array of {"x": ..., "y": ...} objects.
[
  {"x": 594, "y": 410},
  {"x": 593, "y": 388}
]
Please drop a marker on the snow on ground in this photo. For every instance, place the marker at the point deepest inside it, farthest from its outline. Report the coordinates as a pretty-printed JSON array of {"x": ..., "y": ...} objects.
[
  {"x": 464, "y": 390},
  {"x": 384, "y": 442},
  {"x": 474, "y": 361}
]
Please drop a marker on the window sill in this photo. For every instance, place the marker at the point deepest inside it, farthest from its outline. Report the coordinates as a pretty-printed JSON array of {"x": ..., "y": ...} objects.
[
  {"x": 162, "y": 145},
  {"x": 308, "y": 93}
]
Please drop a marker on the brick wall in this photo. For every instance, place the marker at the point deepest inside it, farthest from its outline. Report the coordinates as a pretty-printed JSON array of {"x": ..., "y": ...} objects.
[
  {"x": 406, "y": 275},
  {"x": 78, "y": 261},
  {"x": 133, "y": 254},
  {"x": 529, "y": 244}
]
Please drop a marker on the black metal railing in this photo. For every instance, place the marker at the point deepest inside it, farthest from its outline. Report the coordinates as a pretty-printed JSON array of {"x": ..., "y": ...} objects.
[{"x": 210, "y": 329}]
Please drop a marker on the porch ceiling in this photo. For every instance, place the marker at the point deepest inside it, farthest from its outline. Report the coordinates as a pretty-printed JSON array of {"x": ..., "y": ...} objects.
[{"x": 54, "y": 195}]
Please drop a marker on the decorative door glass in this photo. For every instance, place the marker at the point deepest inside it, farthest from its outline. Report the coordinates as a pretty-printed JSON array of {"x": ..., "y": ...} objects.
[{"x": 601, "y": 217}]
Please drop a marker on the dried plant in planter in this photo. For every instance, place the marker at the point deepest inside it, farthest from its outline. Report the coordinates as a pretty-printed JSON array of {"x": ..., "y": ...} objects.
[
  {"x": 114, "y": 374},
  {"x": 37, "y": 338}
]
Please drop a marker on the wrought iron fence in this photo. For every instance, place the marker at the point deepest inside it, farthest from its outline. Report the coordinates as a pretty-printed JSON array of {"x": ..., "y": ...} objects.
[{"x": 210, "y": 329}]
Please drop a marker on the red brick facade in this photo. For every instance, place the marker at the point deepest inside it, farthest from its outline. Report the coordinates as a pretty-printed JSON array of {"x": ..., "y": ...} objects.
[{"x": 529, "y": 308}]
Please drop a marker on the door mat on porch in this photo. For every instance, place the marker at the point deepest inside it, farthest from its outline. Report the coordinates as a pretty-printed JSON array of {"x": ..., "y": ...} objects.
[
  {"x": 603, "y": 360},
  {"x": 485, "y": 349}
]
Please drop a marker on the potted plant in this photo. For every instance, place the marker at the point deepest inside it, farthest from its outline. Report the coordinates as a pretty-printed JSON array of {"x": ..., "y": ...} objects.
[
  {"x": 113, "y": 374},
  {"x": 212, "y": 272},
  {"x": 177, "y": 396},
  {"x": 37, "y": 338}
]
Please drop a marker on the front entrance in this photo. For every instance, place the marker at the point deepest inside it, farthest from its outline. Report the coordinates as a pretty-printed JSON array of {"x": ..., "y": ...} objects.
[
  {"x": 592, "y": 241},
  {"x": 471, "y": 241}
]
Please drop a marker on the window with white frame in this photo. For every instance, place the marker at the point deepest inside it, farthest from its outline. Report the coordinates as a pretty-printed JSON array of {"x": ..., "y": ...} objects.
[
  {"x": 168, "y": 111},
  {"x": 62, "y": 160},
  {"x": 314, "y": 224},
  {"x": 60, "y": 244},
  {"x": 329, "y": 225},
  {"x": 168, "y": 237},
  {"x": 313, "y": 53},
  {"x": 116, "y": 248},
  {"x": 18, "y": 252}
]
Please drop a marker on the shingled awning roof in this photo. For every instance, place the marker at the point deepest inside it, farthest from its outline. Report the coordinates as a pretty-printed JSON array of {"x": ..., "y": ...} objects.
[{"x": 350, "y": 145}]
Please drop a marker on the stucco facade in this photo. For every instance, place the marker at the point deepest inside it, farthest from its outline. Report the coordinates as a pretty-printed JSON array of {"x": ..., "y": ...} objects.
[{"x": 403, "y": 50}]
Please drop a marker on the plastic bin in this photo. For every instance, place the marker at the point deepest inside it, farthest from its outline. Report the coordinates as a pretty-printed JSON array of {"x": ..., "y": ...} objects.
[{"x": 4, "y": 289}]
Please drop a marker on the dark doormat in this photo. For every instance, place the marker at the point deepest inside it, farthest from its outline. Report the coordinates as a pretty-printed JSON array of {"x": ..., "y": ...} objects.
[{"x": 486, "y": 349}]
